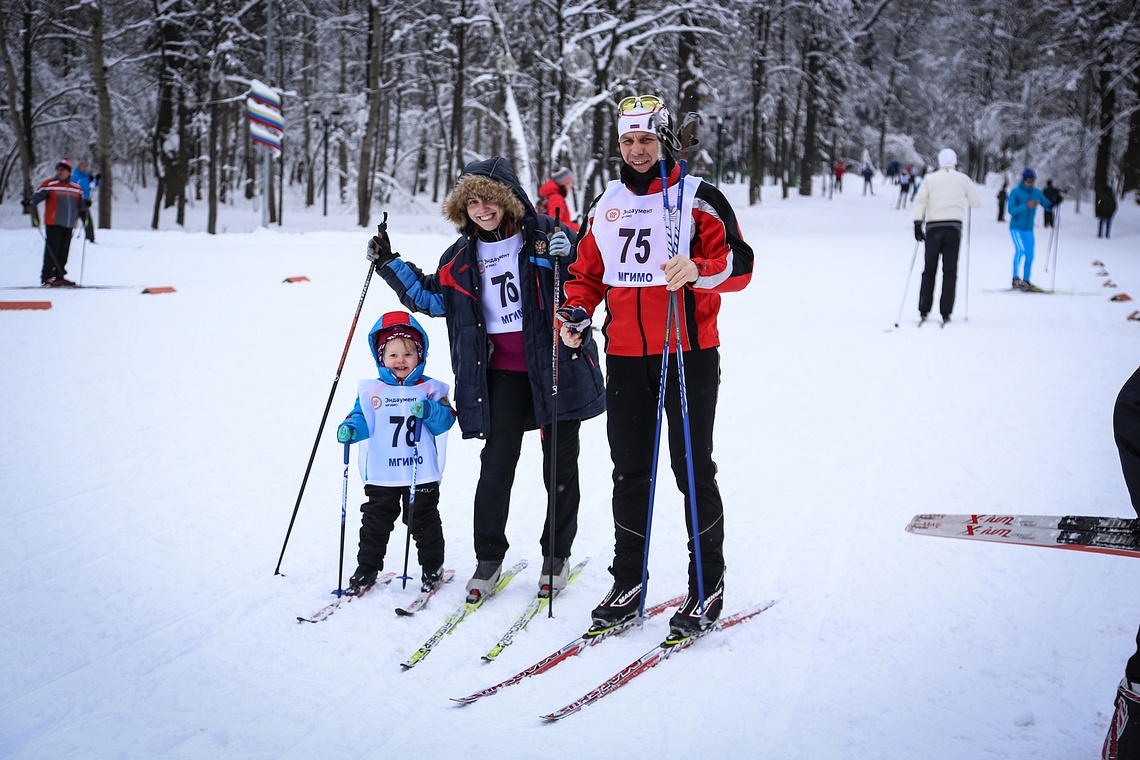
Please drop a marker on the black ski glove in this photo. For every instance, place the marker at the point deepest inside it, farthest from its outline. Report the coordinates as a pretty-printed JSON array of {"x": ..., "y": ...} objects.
[
  {"x": 380, "y": 248},
  {"x": 918, "y": 232}
]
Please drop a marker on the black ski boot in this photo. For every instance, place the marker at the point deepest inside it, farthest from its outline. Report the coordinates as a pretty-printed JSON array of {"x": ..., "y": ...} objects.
[
  {"x": 619, "y": 605},
  {"x": 688, "y": 620},
  {"x": 364, "y": 577}
]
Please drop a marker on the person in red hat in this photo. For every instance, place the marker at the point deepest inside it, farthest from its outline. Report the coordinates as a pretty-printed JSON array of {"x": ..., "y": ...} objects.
[{"x": 61, "y": 212}]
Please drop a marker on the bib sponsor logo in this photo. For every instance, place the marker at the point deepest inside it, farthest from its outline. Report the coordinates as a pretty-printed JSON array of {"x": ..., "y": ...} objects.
[
  {"x": 613, "y": 215},
  {"x": 404, "y": 461},
  {"x": 635, "y": 276}
]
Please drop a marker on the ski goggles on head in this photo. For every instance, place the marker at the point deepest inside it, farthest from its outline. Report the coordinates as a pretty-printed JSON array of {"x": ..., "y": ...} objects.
[{"x": 639, "y": 103}]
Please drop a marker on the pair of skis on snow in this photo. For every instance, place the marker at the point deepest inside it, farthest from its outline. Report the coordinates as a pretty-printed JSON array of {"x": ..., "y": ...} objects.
[
  {"x": 345, "y": 597},
  {"x": 595, "y": 635}
]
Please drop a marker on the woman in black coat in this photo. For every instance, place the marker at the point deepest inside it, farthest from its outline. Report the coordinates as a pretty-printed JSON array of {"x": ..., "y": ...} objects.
[{"x": 495, "y": 287}]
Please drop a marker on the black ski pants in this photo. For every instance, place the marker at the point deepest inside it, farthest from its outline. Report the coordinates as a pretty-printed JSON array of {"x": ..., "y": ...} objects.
[
  {"x": 378, "y": 518},
  {"x": 1126, "y": 430},
  {"x": 512, "y": 414},
  {"x": 57, "y": 244},
  {"x": 942, "y": 240},
  {"x": 632, "y": 386}
]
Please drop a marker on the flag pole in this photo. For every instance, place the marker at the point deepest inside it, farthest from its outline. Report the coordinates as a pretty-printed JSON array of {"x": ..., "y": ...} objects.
[{"x": 268, "y": 82}]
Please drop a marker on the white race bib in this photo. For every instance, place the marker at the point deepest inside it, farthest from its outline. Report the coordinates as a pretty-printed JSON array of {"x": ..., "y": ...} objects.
[
  {"x": 631, "y": 234},
  {"x": 500, "y": 297},
  {"x": 399, "y": 446}
]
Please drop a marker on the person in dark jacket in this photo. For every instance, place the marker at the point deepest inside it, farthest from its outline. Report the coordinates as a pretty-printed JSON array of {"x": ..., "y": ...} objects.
[
  {"x": 1055, "y": 197},
  {"x": 61, "y": 212},
  {"x": 1123, "y": 739},
  {"x": 495, "y": 287},
  {"x": 1105, "y": 210},
  {"x": 1002, "y": 195},
  {"x": 624, "y": 260}
]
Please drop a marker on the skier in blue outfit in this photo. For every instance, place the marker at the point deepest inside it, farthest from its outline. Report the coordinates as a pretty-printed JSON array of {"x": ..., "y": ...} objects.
[
  {"x": 1023, "y": 202},
  {"x": 83, "y": 177},
  {"x": 404, "y": 415}
]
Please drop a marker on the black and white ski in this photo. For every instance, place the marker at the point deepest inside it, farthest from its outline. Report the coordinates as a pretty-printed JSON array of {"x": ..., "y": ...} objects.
[
  {"x": 345, "y": 598},
  {"x": 422, "y": 598}
]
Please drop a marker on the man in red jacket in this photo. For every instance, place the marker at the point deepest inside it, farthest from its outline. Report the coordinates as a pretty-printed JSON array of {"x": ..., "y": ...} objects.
[
  {"x": 61, "y": 212},
  {"x": 624, "y": 259}
]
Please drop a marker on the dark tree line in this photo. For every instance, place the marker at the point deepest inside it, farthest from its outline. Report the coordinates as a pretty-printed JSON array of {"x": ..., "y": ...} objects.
[{"x": 153, "y": 92}]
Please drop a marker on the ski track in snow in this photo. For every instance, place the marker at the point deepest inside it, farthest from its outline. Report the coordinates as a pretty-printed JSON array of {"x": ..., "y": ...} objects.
[{"x": 153, "y": 446}]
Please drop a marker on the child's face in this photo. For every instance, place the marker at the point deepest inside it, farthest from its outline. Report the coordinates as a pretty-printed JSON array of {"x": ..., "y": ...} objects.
[
  {"x": 487, "y": 214},
  {"x": 400, "y": 357}
]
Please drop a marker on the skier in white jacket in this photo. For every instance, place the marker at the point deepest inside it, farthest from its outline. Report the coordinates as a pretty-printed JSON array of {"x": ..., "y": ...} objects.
[{"x": 941, "y": 203}]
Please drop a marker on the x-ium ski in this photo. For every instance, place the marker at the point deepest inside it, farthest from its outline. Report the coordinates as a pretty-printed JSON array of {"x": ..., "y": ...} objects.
[
  {"x": 651, "y": 659},
  {"x": 590, "y": 638}
]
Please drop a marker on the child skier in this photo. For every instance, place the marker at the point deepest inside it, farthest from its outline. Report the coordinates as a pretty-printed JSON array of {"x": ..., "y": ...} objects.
[{"x": 405, "y": 416}]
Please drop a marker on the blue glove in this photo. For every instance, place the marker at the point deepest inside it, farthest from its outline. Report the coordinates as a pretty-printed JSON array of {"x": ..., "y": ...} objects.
[
  {"x": 346, "y": 433},
  {"x": 558, "y": 245},
  {"x": 576, "y": 319}
]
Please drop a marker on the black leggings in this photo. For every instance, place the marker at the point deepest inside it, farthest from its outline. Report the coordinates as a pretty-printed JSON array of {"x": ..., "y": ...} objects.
[
  {"x": 512, "y": 414},
  {"x": 631, "y": 402}
]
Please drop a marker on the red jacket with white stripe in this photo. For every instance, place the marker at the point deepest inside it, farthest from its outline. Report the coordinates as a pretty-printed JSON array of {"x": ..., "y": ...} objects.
[
  {"x": 635, "y": 320},
  {"x": 63, "y": 198}
]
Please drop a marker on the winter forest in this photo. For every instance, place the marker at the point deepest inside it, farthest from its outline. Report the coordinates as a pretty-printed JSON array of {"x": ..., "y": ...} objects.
[{"x": 395, "y": 96}]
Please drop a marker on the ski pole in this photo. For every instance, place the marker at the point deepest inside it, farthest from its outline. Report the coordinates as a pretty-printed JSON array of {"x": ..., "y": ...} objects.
[
  {"x": 1056, "y": 245},
  {"x": 83, "y": 258},
  {"x": 685, "y": 411},
  {"x": 382, "y": 229},
  {"x": 969, "y": 226},
  {"x": 343, "y": 513},
  {"x": 411, "y": 511},
  {"x": 909, "y": 272},
  {"x": 552, "y": 486}
]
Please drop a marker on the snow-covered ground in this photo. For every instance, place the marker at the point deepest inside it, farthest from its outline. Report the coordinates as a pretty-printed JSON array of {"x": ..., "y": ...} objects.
[{"x": 153, "y": 447}]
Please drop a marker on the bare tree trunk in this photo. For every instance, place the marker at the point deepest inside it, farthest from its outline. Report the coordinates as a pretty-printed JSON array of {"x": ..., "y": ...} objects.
[
  {"x": 14, "y": 116},
  {"x": 814, "y": 65},
  {"x": 212, "y": 168},
  {"x": 455, "y": 158},
  {"x": 364, "y": 178},
  {"x": 1130, "y": 169},
  {"x": 104, "y": 158},
  {"x": 1107, "y": 92}
]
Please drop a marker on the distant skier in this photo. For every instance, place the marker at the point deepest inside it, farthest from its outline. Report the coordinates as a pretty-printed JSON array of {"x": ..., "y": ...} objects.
[
  {"x": 1023, "y": 202},
  {"x": 552, "y": 197},
  {"x": 412, "y": 455},
  {"x": 1105, "y": 210},
  {"x": 940, "y": 201},
  {"x": 1123, "y": 739},
  {"x": 87, "y": 181},
  {"x": 1002, "y": 195},
  {"x": 1055, "y": 197},
  {"x": 868, "y": 176},
  {"x": 61, "y": 212},
  {"x": 904, "y": 188}
]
